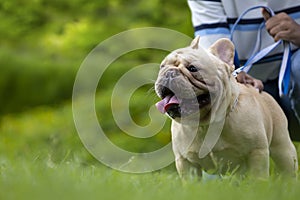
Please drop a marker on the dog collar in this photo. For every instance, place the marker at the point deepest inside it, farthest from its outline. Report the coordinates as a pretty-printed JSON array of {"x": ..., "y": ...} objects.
[{"x": 235, "y": 103}]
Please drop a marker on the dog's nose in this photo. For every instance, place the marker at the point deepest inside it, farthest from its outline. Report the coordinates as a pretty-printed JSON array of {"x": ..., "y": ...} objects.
[
  {"x": 172, "y": 73},
  {"x": 174, "y": 111}
]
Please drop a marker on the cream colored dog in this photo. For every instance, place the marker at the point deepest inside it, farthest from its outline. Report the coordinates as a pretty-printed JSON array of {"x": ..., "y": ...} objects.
[{"x": 218, "y": 124}]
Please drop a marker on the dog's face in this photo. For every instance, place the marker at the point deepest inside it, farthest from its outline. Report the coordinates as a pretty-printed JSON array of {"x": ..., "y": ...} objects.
[{"x": 192, "y": 80}]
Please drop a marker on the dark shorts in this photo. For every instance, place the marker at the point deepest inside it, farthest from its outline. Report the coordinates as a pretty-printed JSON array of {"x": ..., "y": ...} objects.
[{"x": 294, "y": 127}]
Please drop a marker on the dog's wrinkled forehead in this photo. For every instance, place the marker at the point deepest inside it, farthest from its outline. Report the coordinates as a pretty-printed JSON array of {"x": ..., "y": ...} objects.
[
  {"x": 218, "y": 55},
  {"x": 185, "y": 56}
]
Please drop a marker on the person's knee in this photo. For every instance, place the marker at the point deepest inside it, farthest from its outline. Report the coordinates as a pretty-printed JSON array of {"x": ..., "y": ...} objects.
[{"x": 295, "y": 65}]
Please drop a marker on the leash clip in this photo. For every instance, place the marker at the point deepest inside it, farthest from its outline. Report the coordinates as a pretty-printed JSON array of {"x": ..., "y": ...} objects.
[{"x": 236, "y": 72}]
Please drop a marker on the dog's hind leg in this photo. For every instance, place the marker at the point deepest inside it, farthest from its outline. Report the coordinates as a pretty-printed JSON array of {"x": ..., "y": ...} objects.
[
  {"x": 283, "y": 151},
  {"x": 285, "y": 157}
]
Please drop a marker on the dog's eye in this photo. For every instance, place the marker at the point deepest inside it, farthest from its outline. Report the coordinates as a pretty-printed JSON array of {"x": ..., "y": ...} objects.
[{"x": 192, "y": 68}]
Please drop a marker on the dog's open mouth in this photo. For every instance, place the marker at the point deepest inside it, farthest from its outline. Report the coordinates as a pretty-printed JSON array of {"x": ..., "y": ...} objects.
[{"x": 177, "y": 108}]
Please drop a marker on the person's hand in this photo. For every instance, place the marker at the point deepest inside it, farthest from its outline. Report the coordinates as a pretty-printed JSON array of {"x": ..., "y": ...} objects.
[
  {"x": 282, "y": 27},
  {"x": 245, "y": 78}
]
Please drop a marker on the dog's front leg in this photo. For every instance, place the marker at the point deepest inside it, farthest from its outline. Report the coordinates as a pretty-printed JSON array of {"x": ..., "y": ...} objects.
[
  {"x": 186, "y": 169},
  {"x": 258, "y": 163}
]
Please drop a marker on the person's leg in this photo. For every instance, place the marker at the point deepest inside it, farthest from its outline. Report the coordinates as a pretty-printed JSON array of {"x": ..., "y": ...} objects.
[
  {"x": 295, "y": 91},
  {"x": 293, "y": 123},
  {"x": 272, "y": 88}
]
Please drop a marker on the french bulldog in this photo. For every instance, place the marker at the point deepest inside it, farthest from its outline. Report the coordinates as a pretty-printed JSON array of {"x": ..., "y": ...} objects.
[{"x": 218, "y": 124}]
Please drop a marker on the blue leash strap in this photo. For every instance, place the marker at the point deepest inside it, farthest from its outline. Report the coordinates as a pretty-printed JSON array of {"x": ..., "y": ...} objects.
[
  {"x": 285, "y": 68},
  {"x": 271, "y": 12}
]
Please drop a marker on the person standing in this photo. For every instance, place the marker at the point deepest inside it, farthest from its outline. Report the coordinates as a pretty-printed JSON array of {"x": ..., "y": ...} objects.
[{"x": 213, "y": 19}]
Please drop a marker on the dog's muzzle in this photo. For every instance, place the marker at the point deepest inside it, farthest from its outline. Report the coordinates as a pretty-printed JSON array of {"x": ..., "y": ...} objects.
[{"x": 177, "y": 108}]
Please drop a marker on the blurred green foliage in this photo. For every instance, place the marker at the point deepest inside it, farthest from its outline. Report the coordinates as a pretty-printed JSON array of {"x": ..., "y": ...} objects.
[
  {"x": 43, "y": 42},
  {"x": 42, "y": 45}
]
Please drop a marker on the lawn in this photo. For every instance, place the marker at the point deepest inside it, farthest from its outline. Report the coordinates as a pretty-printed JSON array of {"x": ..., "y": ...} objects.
[
  {"x": 34, "y": 179},
  {"x": 48, "y": 161}
]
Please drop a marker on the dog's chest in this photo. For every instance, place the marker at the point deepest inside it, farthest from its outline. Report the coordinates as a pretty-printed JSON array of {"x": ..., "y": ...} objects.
[
  {"x": 223, "y": 158},
  {"x": 227, "y": 154}
]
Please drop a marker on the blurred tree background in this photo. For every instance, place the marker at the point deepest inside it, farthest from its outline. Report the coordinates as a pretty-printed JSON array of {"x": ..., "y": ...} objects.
[{"x": 42, "y": 45}]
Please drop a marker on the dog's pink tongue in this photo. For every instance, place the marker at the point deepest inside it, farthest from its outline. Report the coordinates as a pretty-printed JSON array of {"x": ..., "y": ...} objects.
[{"x": 163, "y": 105}]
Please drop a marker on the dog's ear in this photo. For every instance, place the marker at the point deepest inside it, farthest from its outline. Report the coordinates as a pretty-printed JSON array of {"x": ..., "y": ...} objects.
[
  {"x": 195, "y": 42},
  {"x": 224, "y": 50}
]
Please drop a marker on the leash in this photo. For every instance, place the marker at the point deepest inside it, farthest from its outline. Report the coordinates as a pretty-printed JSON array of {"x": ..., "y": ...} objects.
[{"x": 285, "y": 68}]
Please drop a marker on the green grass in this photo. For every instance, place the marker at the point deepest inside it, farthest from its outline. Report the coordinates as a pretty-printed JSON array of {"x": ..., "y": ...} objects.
[
  {"x": 36, "y": 179},
  {"x": 41, "y": 157}
]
